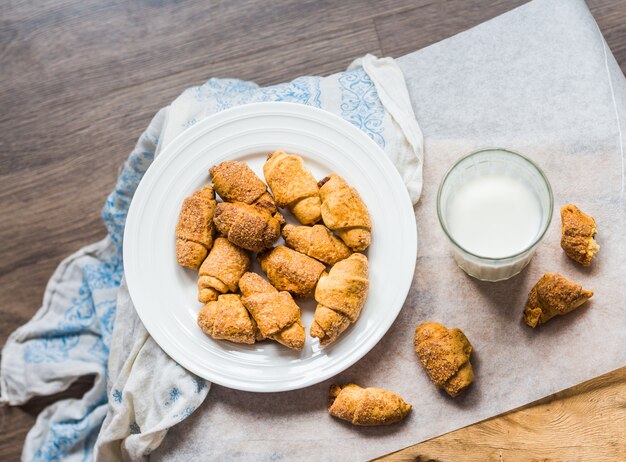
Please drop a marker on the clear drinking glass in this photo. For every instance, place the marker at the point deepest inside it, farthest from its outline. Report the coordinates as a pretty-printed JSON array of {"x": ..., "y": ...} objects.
[{"x": 494, "y": 161}]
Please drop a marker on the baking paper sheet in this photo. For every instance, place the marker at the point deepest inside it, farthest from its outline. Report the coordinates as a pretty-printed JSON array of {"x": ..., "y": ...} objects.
[{"x": 539, "y": 80}]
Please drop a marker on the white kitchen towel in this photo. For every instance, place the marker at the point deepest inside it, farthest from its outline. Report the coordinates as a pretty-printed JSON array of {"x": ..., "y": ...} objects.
[{"x": 88, "y": 325}]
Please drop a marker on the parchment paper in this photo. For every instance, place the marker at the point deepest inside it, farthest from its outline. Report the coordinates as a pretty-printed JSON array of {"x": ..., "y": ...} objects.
[{"x": 539, "y": 80}]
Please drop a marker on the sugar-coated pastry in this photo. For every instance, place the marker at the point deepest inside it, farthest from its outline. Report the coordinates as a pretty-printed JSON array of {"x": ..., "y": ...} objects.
[
  {"x": 577, "y": 235},
  {"x": 227, "y": 319},
  {"x": 293, "y": 186},
  {"x": 221, "y": 270},
  {"x": 553, "y": 295},
  {"x": 340, "y": 295},
  {"x": 366, "y": 406},
  {"x": 317, "y": 242},
  {"x": 290, "y": 270},
  {"x": 344, "y": 212},
  {"x": 194, "y": 230},
  {"x": 275, "y": 313},
  {"x": 445, "y": 354},
  {"x": 248, "y": 226},
  {"x": 266, "y": 201},
  {"x": 234, "y": 181}
]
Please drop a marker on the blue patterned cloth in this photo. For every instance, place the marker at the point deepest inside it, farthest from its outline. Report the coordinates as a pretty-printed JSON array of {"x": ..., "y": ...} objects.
[{"x": 72, "y": 333}]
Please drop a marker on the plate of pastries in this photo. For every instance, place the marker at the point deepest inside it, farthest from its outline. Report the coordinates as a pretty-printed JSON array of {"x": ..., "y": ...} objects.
[{"x": 270, "y": 246}]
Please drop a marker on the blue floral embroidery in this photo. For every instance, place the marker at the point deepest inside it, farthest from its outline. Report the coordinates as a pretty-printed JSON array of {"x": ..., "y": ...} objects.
[
  {"x": 81, "y": 313},
  {"x": 117, "y": 396},
  {"x": 303, "y": 90},
  {"x": 360, "y": 104},
  {"x": 106, "y": 318},
  {"x": 116, "y": 207},
  {"x": 104, "y": 275},
  {"x": 89, "y": 443},
  {"x": 134, "y": 428},
  {"x": 57, "y": 344},
  {"x": 228, "y": 93},
  {"x": 174, "y": 395},
  {"x": 183, "y": 415},
  {"x": 51, "y": 348},
  {"x": 215, "y": 87},
  {"x": 63, "y": 437},
  {"x": 100, "y": 351}
]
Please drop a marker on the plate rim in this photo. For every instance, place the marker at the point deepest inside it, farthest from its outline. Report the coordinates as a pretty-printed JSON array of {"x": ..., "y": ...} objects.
[{"x": 180, "y": 142}]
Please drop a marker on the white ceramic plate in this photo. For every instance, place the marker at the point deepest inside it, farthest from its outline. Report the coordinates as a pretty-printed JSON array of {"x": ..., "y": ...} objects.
[{"x": 164, "y": 294}]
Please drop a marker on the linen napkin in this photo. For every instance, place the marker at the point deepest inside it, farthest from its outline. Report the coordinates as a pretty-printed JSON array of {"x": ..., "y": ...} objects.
[{"x": 138, "y": 387}]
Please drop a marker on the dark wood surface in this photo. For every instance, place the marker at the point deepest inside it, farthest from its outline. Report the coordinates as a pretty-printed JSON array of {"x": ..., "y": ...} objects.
[{"x": 80, "y": 79}]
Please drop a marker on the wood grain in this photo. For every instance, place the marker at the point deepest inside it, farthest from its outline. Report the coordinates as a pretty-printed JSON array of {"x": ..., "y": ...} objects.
[
  {"x": 586, "y": 423},
  {"x": 80, "y": 80}
]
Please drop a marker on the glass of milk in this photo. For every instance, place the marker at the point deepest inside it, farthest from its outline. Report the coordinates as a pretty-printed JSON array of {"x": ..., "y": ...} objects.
[{"x": 495, "y": 206}]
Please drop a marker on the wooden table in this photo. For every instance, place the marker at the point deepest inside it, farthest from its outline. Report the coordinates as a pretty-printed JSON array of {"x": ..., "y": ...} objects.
[{"x": 80, "y": 79}]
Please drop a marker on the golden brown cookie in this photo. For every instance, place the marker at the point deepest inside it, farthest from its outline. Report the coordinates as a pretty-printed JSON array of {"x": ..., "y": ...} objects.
[
  {"x": 234, "y": 181},
  {"x": 577, "y": 235},
  {"x": 445, "y": 354},
  {"x": 340, "y": 295},
  {"x": 293, "y": 186},
  {"x": 221, "y": 270},
  {"x": 194, "y": 230},
  {"x": 553, "y": 295},
  {"x": 317, "y": 242},
  {"x": 275, "y": 313},
  {"x": 227, "y": 319},
  {"x": 344, "y": 212},
  {"x": 248, "y": 226},
  {"x": 290, "y": 270},
  {"x": 366, "y": 406}
]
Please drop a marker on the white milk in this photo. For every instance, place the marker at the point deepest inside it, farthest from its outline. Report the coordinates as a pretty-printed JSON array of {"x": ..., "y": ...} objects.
[{"x": 494, "y": 216}]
